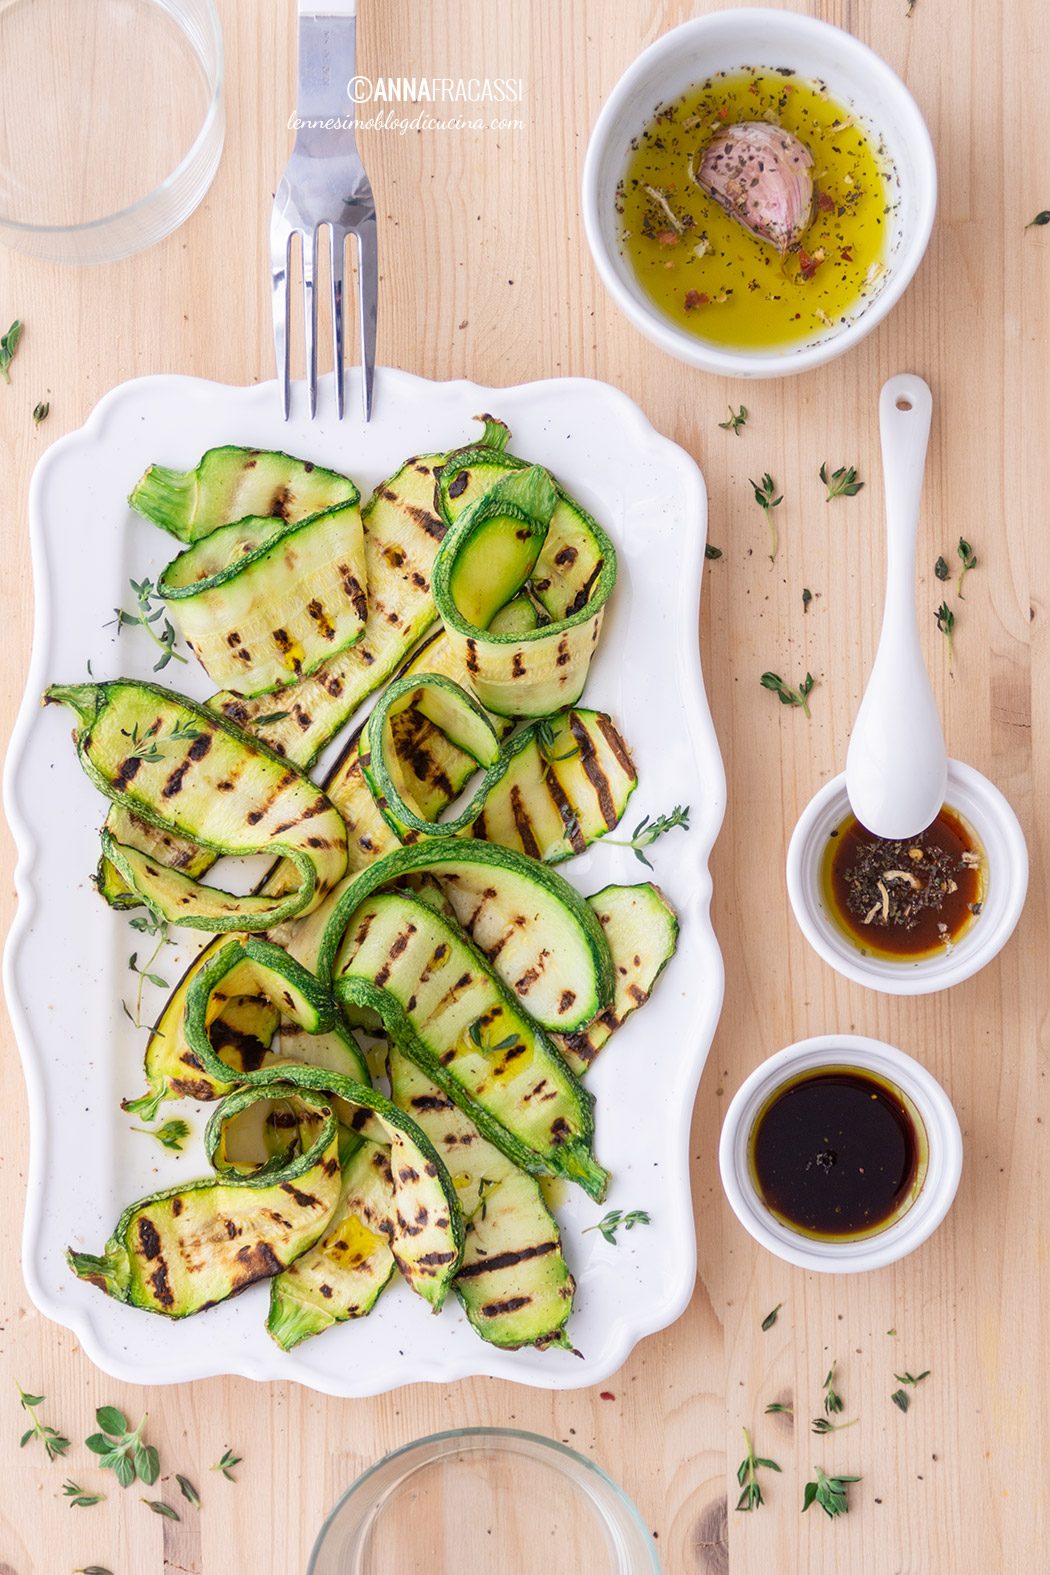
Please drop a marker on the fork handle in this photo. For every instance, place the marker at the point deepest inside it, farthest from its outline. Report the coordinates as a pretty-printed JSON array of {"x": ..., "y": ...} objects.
[{"x": 327, "y": 7}]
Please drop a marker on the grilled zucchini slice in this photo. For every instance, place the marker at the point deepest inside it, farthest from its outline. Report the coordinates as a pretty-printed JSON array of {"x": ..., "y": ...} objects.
[
  {"x": 446, "y": 1010},
  {"x": 263, "y": 602},
  {"x": 230, "y": 484},
  {"x": 186, "y": 771}
]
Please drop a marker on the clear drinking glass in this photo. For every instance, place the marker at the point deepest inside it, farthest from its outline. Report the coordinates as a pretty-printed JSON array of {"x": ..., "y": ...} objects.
[
  {"x": 488, "y": 1501},
  {"x": 111, "y": 122}
]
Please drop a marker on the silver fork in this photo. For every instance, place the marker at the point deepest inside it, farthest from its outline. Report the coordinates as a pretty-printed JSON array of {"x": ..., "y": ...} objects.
[{"x": 325, "y": 191}]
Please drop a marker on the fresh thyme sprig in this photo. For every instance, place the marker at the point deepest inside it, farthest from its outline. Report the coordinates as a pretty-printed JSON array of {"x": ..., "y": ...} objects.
[
  {"x": 771, "y": 1317},
  {"x": 612, "y": 1221},
  {"x": 121, "y": 1450},
  {"x": 764, "y": 491},
  {"x": 746, "y": 1475},
  {"x": 50, "y": 1437},
  {"x": 778, "y": 1408},
  {"x": 145, "y": 746},
  {"x": 148, "y": 614},
  {"x": 648, "y": 830},
  {"x": 946, "y": 624},
  {"x": 841, "y": 483},
  {"x": 41, "y": 411},
  {"x": 547, "y": 742},
  {"x": 969, "y": 561},
  {"x": 227, "y": 1463},
  {"x": 833, "y": 1402},
  {"x": 820, "y": 1424},
  {"x": 145, "y": 972},
  {"x": 476, "y": 1035},
  {"x": 172, "y": 1135},
  {"x": 831, "y": 1493},
  {"x": 80, "y": 1498},
  {"x": 901, "y": 1397},
  {"x": 481, "y": 1208},
  {"x": 785, "y": 694},
  {"x": 8, "y": 347},
  {"x": 737, "y": 419}
]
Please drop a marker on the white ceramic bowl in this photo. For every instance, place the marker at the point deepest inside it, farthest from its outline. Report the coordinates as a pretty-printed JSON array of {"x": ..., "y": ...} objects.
[
  {"x": 944, "y": 1147},
  {"x": 998, "y": 831},
  {"x": 731, "y": 40}
]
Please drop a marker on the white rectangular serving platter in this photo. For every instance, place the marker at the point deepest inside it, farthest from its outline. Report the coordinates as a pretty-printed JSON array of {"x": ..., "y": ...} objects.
[{"x": 66, "y": 963}]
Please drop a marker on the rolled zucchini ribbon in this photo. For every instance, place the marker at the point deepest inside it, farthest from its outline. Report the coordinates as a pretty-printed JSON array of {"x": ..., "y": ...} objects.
[
  {"x": 189, "y": 773},
  {"x": 488, "y": 556}
]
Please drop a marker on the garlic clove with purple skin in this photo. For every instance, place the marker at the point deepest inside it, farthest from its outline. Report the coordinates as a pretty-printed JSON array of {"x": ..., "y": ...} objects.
[{"x": 760, "y": 174}]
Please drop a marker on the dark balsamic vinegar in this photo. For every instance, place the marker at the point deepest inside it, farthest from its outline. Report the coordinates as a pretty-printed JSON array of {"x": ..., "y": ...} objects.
[{"x": 836, "y": 1153}]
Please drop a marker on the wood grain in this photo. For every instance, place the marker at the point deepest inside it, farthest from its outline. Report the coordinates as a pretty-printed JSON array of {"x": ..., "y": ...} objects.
[{"x": 486, "y": 275}]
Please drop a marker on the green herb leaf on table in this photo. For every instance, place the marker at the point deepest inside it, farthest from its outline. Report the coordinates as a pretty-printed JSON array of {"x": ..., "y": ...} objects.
[
  {"x": 122, "y": 1451},
  {"x": 80, "y": 1498},
  {"x": 821, "y": 1424},
  {"x": 612, "y": 1221},
  {"x": 160, "y": 1508},
  {"x": 969, "y": 561},
  {"x": 785, "y": 694},
  {"x": 771, "y": 1317},
  {"x": 188, "y": 1491},
  {"x": 711, "y": 553},
  {"x": 747, "y": 1476},
  {"x": 92, "y": 1569},
  {"x": 227, "y": 1463},
  {"x": 901, "y": 1399},
  {"x": 8, "y": 348},
  {"x": 841, "y": 483},
  {"x": 764, "y": 491},
  {"x": 648, "y": 831},
  {"x": 53, "y": 1441},
  {"x": 737, "y": 419},
  {"x": 946, "y": 624},
  {"x": 146, "y": 617},
  {"x": 778, "y": 1408},
  {"x": 941, "y": 569},
  {"x": 912, "y": 1378},
  {"x": 172, "y": 1135},
  {"x": 807, "y": 597},
  {"x": 833, "y": 1402},
  {"x": 831, "y": 1493},
  {"x": 41, "y": 411},
  {"x": 1040, "y": 218}
]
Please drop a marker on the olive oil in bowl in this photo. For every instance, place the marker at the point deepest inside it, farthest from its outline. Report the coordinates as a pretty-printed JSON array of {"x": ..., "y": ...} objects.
[{"x": 710, "y": 275}]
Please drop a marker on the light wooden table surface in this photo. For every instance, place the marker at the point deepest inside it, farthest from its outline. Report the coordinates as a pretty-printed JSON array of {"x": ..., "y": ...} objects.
[{"x": 486, "y": 275}]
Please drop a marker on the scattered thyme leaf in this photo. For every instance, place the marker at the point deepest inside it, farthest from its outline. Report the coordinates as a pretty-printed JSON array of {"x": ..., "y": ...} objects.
[
  {"x": 969, "y": 561},
  {"x": 80, "y": 1498},
  {"x": 172, "y": 1135},
  {"x": 92, "y": 1569},
  {"x": 771, "y": 1317},
  {"x": 832, "y": 1402},
  {"x": 946, "y": 624},
  {"x": 8, "y": 347},
  {"x": 188, "y": 1491},
  {"x": 41, "y": 411},
  {"x": 612, "y": 1221},
  {"x": 747, "y": 1476},
  {"x": 227, "y": 1463},
  {"x": 911, "y": 1378},
  {"x": 648, "y": 830},
  {"x": 270, "y": 718},
  {"x": 807, "y": 597},
  {"x": 736, "y": 420},
  {"x": 145, "y": 595},
  {"x": 777, "y": 1408},
  {"x": 712, "y": 552},
  {"x": 160, "y": 1508},
  {"x": 820, "y": 1424},
  {"x": 488, "y": 1047},
  {"x": 53, "y": 1441},
  {"x": 1040, "y": 218},
  {"x": 901, "y": 1398},
  {"x": 842, "y": 483},
  {"x": 831, "y": 1493},
  {"x": 785, "y": 694},
  {"x": 547, "y": 742},
  {"x": 764, "y": 491},
  {"x": 941, "y": 569}
]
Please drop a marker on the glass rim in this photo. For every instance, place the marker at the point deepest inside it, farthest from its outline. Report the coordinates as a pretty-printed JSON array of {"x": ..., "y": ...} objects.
[
  {"x": 515, "y": 1434},
  {"x": 84, "y": 226}
]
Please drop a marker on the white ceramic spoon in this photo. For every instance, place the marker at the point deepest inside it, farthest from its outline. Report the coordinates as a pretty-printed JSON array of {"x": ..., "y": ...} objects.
[{"x": 897, "y": 766}]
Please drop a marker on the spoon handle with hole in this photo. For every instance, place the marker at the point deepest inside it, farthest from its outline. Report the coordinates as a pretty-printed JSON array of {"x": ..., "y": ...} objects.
[{"x": 897, "y": 766}]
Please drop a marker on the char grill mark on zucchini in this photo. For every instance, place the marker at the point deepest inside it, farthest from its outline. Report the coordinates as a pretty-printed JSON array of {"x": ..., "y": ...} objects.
[
  {"x": 443, "y": 1007},
  {"x": 641, "y": 928},
  {"x": 188, "y": 772},
  {"x": 542, "y": 939},
  {"x": 232, "y": 483},
  {"x": 514, "y": 1283},
  {"x": 263, "y": 602}
]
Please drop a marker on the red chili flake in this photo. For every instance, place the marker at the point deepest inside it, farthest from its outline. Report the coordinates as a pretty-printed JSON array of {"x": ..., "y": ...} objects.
[
  {"x": 695, "y": 298},
  {"x": 606, "y": 1394},
  {"x": 825, "y": 203},
  {"x": 723, "y": 113},
  {"x": 807, "y": 265},
  {"x": 846, "y": 254},
  {"x": 668, "y": 237}
]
